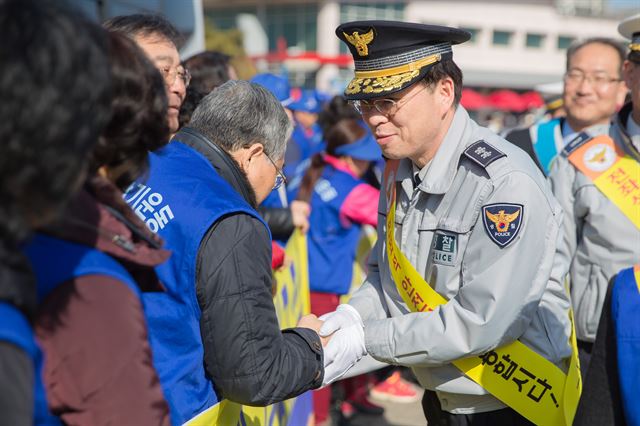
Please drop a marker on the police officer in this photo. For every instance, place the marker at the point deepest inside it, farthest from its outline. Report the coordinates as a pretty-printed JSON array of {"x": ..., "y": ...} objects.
[
  {"x": 596, "y": 181},
  {"x": 613, "y": 380},
  {"x": 593, "y": 90},
  {"x": 466, "y": 262}
]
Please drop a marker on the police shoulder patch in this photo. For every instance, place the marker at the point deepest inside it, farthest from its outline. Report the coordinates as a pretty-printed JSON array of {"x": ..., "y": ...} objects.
[
  {"x": 576, "y": 143},
  {"x": 502, "y": 221},
  {"x": 482, "y": 153}
]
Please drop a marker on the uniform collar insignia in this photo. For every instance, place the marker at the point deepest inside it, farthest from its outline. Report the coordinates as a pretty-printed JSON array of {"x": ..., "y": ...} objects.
[{"x": 483, "y": 153}]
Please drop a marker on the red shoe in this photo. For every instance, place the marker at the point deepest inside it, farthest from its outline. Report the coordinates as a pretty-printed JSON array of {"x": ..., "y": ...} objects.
[{"x": 395, "y": 389}]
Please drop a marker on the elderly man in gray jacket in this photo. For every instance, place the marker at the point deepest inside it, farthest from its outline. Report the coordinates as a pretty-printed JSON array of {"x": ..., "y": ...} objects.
[{"x": 466, "y": 266}]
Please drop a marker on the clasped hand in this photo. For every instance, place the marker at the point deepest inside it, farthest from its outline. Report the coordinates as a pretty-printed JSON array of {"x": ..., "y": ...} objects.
[{"x": 342, "y": 335}]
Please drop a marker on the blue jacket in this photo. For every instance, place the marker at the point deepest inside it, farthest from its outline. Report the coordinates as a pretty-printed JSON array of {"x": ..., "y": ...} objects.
[
  {"x": 625, "y": 311},
  {"x": 178, "y": 199},
  {"x": 54, "y": 262},
  {"x": 332, "y": 244},
  {"x": 308, "y": 144},
  {"x": 15, "y": 329}
]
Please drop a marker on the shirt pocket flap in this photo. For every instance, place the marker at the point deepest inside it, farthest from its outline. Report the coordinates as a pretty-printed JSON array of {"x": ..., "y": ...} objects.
[{"x": 458, "y": 211}]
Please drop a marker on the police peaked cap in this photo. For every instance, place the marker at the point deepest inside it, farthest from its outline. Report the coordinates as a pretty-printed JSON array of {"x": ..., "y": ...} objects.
[
  {"x": 630, "y": 28},
  {"x": 390, "y": 56}
]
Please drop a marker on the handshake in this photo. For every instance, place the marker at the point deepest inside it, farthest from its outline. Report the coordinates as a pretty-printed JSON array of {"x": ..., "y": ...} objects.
[{"x": 342, "y": 335}]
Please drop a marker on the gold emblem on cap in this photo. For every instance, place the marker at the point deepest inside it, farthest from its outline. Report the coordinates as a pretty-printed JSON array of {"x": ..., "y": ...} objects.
[
  {"x": 388, "y": 79},
  {"x": 360, "y": 41}
]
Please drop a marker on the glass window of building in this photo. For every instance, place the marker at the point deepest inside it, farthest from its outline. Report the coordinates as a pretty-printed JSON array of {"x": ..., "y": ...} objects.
[
  {"x": 564, "y": 42},
  {"x": 502, "y": 38},
  {"x": 225, "y": 19},
  {"x": 474, "y": 34},
  {"x": 297, "y": 24},
  {"x": 534, "y": 40},
  {"x": 294, "y": 24}
]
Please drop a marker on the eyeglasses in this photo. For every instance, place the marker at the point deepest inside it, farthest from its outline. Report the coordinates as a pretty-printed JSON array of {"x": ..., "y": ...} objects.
[
  {"x": 384, "y": 106},
  {"x": 280, "y": 177},
  {"x": 601, "y": 81},
  {"x": 170, "y": 74}
]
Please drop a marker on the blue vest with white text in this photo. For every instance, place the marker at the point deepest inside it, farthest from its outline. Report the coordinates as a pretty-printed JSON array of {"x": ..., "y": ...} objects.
[
  {"x": 182, "y": 198},
  {"x": 625, "y": 312},
  {"x": 55, "y": 261},
  {"x": 332, "y": 244}
]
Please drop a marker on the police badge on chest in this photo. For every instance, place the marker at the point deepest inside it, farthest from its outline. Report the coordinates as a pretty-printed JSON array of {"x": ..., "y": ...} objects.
[{"x": 444, "y": 248}]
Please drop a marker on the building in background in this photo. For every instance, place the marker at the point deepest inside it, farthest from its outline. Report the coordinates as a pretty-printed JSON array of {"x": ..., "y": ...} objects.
[{"x": 514, "y": 45}]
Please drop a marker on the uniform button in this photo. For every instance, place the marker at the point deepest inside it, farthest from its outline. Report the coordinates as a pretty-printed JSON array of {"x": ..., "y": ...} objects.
[
  {"x": 317, "y": 376},
  {"x": 317, "y": 346}
]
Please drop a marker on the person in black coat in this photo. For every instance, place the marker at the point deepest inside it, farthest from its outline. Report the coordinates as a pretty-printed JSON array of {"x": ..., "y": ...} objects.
[{"x": 240, "y": 130}]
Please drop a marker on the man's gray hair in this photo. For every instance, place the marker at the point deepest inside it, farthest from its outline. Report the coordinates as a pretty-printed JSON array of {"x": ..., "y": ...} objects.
[{"x": 238, "y": 114}]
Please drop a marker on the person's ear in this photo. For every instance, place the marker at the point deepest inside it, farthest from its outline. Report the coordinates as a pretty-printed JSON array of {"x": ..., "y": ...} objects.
[
  {"x": 245, "y": 156},
  {"x": 254, "y": 151},
  {"x": 627, "y": 77},
  {"x": 446, "y": 93}
]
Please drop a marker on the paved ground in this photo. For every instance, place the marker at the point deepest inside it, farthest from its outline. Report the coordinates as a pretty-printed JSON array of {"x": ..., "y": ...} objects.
[{"x": 395, "y": 415}]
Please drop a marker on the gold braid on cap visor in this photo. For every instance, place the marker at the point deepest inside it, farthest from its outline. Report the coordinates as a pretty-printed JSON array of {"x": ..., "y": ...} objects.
[
  {"x": 384, "y": 80},
  {"x": 634, "y": 47}
]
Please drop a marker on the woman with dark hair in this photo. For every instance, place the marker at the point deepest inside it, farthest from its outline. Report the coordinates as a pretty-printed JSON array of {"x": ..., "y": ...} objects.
[
  {"x": 92, "y": 265},
  {"x": 338, "y": 109},
  {"x": 208, "y": 70},
  {"x": 341, "y": 202},
  {"x": 55, "y": 89}
]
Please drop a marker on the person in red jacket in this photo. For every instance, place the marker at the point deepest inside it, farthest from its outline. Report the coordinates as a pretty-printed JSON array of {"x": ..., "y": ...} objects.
[{"x": 98, "y": 364}]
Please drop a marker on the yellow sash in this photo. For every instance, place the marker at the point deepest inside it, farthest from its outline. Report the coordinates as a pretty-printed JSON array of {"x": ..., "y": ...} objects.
[
  {"x": 515, "y": 374},
  {"x": 615, "y": 174}
]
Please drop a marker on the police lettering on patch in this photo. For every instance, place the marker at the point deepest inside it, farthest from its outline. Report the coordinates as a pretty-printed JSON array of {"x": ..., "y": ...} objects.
[
  {"x": 445, "y": 248},
  {"x": 502, "y": 221}
]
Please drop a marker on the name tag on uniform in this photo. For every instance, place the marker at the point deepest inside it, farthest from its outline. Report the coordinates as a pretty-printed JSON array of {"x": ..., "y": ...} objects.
[{"x": 445, "y": 248}]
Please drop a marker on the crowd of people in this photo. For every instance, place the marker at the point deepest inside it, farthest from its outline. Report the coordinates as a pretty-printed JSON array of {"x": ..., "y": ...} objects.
[{"x": 147, "y": 200}]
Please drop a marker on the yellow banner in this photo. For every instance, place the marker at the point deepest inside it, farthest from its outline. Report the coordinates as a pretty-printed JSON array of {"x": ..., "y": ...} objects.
[
  {"x": 291, "y": 302},
  {"x": 615, "y": 174},
  {"x": 366, "y": 242},
  {"x": 515, "y": 374}
]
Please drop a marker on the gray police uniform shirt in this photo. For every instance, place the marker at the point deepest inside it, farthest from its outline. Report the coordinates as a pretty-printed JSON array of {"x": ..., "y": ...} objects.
[
  {"x": 599, "y": 240},
  {"x": 495, "y": 294}
]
